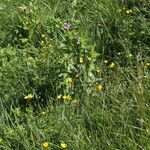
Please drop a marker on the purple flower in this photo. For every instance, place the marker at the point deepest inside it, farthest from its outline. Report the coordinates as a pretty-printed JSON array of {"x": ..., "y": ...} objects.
[{"x": 67, "y": 26}]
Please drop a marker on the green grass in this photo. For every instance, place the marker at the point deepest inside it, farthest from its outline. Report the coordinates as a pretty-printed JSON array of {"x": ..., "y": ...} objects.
[{"x": 87, "y": 87}]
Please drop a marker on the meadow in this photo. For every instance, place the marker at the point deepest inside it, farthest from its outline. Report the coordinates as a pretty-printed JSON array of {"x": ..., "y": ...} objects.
[{"x": 75, "y": 75}]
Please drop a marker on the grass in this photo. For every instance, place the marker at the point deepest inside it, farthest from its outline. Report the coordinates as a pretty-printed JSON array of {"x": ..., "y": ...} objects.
[{"x": 74, "y": 75}]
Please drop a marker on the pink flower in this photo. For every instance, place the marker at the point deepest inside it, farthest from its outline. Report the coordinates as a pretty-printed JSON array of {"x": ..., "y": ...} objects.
[{"x": 67, "y": 26}]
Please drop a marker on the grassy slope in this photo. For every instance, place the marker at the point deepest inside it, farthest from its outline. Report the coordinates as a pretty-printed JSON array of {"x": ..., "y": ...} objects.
[{"x": 116, "y": 117}]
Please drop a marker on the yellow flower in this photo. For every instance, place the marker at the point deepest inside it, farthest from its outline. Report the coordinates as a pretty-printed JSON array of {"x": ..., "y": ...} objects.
[
  {"x": 68, "y": 97},
  {"x": 43, "y": 113},
  {"x": 99, "y": 87},
  {"x": 89, "y": 58},
  {"x": 130, "y": 55},
  {"x": 147, "y": 64},
  {"x": 98, "y": 70},
  {"x": 30, "y": 58},
  {"x": 43, "y": 35},
  {"x": 42, "y": 42},
  {"x": 112, "y": 65},
  {"x": 45, "y": 144},
  {"x": 69, "y": 79},
  {"x": 81, "y": 60},
  {"x": 129, "y": 11},
  {"x": 105, "y": 61},
  {"x": 59, "y": 97},
  {"x": 65, "y": 97},
  {"x": 63, "y": 145},
  {"x": 28, "y": 97}
]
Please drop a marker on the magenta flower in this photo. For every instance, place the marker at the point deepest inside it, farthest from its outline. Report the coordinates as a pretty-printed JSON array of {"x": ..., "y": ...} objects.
[{"x": 67, "y": 26}]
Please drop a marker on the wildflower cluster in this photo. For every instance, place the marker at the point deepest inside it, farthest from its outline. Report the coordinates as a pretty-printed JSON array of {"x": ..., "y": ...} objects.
[
  {"x": 62, "y": 145},
  {"x": 63, "y": 97},
  {"x": 28, "y": 97},
  {"x": 127, "y": 11}
]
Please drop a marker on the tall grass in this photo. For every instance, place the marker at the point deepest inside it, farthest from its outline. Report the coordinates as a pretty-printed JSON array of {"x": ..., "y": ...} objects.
[{"x": 74, "y": 75}]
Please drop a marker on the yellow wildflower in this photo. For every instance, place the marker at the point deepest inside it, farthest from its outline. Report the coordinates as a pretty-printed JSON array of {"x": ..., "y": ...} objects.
[
  {"x": 63, "y": 145},
  {"x": 98, "y": 70},
  {"x": 147, "y": 64},
  {"x": 30, "y": 58},
  {"x": 59, "y": 97},
  {"x": 42, "y": 42},
  {"x": 129, "y": 11},
  {"x": 89, "y": 58},
  {"x": 68, "y": 97},
  {"x": 81, "y": 60},
  {"x": 99, "y": 87},
  {"x": 28, "y": 97},
  {"x": 43, "y": 35},
  {"x": 45, "y": 144},
  {"x": 112, "y": 65},
  {"x": 105, "y": 61},
  {"x": 43, "y": 113},
  {"x": 69, "y": 79},
  {"x": 130, "y": 55},
  {"x": 65, "y": 97}
]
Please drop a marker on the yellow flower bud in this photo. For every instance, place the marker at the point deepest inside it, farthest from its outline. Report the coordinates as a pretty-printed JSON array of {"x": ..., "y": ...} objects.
[
  {"x": 63, "y": 145},
  {"x": 130, "y": 55},
  {"x": 81, "y": 60},
  {"x": 45, "y": 144},
  {"x": 105, "y": 61},
  {"x": 112, "y": 65},
  {"x": 99, "y": 87},
  {"x": 98, "y": 70},
  {"x": 69, "y": 79},
  {"x": 43, "y": 113},
  {"x": 147, "y": 64},
  {"x": 59, "y": 97},
  {"x": 28, "y": 97},
  {"x": 89, "y": 58}
]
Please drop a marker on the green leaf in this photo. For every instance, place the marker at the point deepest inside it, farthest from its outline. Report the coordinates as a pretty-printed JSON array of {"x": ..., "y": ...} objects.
[{"x": 24, "y": 40}]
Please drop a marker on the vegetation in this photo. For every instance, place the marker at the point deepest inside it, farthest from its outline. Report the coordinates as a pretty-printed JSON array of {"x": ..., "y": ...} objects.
[{"x": 74, "y": 74}]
